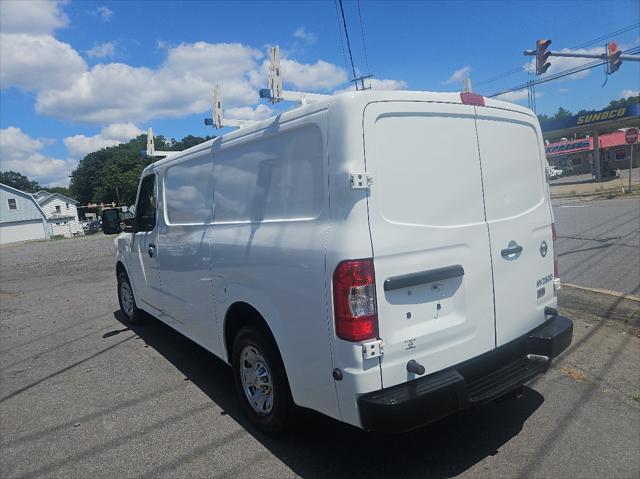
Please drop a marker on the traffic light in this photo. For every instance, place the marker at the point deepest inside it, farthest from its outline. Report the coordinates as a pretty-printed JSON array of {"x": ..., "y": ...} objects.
[
  {"x": 613, "y": 56},
  {"x": 542, "y": 65}
]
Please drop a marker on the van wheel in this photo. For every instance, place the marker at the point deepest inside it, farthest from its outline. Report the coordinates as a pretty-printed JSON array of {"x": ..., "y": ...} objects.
[
  {"x": 127, "y": 301},
  {"x": 260, "y": 381}
]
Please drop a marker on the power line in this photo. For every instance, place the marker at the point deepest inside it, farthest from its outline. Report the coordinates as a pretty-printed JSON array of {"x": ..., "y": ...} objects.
[
  {"x": 364, "y": 46},
  {"x": 346, "y": 34},
  {"x": 344, "y": 55},
  {"x": 604, "y": 37}
]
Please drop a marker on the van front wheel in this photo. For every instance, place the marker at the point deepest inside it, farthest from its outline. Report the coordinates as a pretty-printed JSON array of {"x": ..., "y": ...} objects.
[
  {"x": 260, "y": 381},
  {"x": 127, "y": 300}
]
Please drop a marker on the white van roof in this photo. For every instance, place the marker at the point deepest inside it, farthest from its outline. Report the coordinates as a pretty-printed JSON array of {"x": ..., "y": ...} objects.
[{"x": 357, "y": 98}]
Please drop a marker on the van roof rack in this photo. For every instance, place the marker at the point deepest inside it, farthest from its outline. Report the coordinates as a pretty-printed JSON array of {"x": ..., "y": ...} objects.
[
  {"x": 275, "y": 93},
  {"x": 151, "y": 149},
  {"x": 217, "y": 121}
]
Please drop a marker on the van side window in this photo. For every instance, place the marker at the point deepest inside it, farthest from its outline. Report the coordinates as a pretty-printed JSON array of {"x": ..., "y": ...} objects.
[
  {"x": 277, "y": 178},
  {"x": 146, "y": 207},
  {"x": 188, "y": 191}
]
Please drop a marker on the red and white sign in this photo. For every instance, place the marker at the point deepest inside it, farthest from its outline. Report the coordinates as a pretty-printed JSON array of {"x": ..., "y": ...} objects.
[{"x": 631, "y": 135}]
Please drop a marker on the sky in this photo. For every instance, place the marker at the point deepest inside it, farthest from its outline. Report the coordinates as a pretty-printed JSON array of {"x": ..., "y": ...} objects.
[{"x": 76, "y": 76}]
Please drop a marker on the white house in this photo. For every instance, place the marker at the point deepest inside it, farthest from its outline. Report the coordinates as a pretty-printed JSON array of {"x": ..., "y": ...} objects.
[
  {"x": 61, "y": 213},
  {"x": 21, "y": 217}
]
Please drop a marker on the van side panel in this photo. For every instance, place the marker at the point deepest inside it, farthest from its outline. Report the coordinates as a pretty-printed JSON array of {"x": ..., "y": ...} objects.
[
  {"x": 348, "y": 238},
  {"x": 270, "y": 225}
]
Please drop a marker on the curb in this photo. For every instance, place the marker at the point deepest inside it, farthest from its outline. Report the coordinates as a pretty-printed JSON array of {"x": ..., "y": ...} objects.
[
  {"x": 608, "y": 292},
  {"x": 599, "y": 303}
]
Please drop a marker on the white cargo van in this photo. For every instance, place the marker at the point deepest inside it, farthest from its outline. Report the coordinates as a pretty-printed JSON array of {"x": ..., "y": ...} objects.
[{"x": 384, "y": 258}]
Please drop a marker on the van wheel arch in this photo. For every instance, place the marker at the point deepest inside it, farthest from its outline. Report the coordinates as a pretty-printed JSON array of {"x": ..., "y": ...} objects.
[
  {"x": 240, "y": 315},
  {"x": 121, "y": 269}
]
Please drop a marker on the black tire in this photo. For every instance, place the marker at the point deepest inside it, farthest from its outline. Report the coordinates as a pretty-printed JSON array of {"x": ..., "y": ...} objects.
[
  {"x": 131, "y": 313},
  {"x": 274, "y": 421}
]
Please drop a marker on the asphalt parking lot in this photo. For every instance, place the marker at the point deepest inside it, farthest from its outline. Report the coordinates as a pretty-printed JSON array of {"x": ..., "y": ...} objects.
[
  {"x": 82, "y": 395},
  {"x": 599, "y": 243}
]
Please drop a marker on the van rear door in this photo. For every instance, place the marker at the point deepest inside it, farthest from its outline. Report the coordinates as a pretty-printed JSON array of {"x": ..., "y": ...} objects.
[
  {"x": 429, "y": 236},
  {"x": 519, "y": 218}
]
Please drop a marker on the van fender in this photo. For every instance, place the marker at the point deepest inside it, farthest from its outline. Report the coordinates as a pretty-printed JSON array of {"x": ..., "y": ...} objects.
[{"x": 236, "y": 293}]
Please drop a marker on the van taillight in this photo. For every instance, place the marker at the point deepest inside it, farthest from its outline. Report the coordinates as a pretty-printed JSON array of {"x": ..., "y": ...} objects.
[
  {"x": 554, "y": 236},
  {"x": 354, "y": 300},
  {"x": 469, "y": 98}
]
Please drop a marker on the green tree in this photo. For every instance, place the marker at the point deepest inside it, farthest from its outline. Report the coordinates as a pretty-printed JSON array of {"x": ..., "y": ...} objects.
[
  {"x": 632, "y": 100},
  {"x": 112, "y": 174},
  {"x": 59, "y": 189},
  {"x": 19, "y": 181},
  {"x": 561, "y": 113}
]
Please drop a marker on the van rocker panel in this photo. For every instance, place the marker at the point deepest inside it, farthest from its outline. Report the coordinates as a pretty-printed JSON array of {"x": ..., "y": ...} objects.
[{"x": 474, "y": 382}]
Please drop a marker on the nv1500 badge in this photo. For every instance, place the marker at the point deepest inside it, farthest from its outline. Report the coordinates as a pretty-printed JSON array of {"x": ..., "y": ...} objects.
[{"x": 545, "y": 280}]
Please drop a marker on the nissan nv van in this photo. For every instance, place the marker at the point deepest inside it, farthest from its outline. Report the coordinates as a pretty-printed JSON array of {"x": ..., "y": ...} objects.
[{"x": 383, "y": 257}]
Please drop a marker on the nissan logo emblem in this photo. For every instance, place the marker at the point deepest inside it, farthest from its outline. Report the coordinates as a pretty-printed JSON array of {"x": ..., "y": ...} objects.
[{"x": 543, "y": 249}]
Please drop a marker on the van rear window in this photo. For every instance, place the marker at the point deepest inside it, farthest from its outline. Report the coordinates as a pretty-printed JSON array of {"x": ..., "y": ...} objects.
[{"x": 426, "y": 169}]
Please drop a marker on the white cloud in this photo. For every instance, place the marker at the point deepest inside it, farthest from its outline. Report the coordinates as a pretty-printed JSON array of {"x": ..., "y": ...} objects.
[
  {"x": 629, "y": 93},
  {"x": 102, "y": 50},
  {"x": 22, "y": 153},
  {"x": 516, "y": 96},
  {"x": 458, "y": 75},
  {"x": 35, "y": 62},
  {"x": 103, "y": 12},
  {"x": 319, "y": 75},
  {"x": 261, "y": 112},
  {"x": 376, "y": 84},
  {"x": 563, "y": 90},
  {"x": 67, "y": 88},
  {"x": 307, "y": 37},
  {"x": 35, "y": 17},
  {"x": 117, "y": 92},
  {"x": 79, "y": 146}
]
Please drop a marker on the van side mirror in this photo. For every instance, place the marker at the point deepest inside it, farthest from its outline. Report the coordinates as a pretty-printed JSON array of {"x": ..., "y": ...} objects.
[
  {"x": 128, "y": 225},
  {"x": 111, "y": 221}
]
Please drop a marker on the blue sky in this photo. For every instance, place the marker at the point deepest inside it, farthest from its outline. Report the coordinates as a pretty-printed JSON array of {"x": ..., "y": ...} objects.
[{"x": 77, "y": 76}]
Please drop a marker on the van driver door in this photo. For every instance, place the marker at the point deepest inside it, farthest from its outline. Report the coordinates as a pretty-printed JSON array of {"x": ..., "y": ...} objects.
[{"x": 144, "y": 265}]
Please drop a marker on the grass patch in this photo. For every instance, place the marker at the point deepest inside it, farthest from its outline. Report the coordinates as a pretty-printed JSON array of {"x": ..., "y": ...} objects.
[{"x": 574, "y": 373}]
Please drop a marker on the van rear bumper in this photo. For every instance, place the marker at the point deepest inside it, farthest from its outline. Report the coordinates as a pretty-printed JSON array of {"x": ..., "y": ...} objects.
[{"x": 474, "y": 382}]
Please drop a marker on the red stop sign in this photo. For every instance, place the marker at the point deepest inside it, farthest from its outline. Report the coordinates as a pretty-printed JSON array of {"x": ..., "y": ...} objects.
[{"x": 631, "y": 135}]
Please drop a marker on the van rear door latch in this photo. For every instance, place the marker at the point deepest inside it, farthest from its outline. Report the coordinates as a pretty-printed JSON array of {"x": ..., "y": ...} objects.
[
  {"x": 372, "y": 349},
  {"x": 360, "y": 181}
]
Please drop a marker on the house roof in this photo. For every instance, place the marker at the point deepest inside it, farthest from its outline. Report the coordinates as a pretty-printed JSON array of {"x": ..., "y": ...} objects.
[
  {"x": 42, "y": 200},
  {"x": 25, "y": 195}
]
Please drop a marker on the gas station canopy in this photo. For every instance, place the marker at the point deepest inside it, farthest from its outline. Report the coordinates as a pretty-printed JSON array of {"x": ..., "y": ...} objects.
[{"x": 605, "y": 121}]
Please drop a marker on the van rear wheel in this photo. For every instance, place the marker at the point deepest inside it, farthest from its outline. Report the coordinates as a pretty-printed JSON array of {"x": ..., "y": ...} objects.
[
  {"x": 261, "y": 383},
  {"x": 128, "y": 301}
]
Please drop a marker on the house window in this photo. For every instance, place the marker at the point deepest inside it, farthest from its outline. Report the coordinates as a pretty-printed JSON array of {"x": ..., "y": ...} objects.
[
  {"x": 57, "y": 208},
  {"x": 11, "y": 203}
]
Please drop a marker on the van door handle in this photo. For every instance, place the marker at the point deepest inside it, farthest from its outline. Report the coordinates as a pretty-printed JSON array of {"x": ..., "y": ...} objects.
[
  {"x": 514, "y": 248},
  {"x": 152, "y": 249}
]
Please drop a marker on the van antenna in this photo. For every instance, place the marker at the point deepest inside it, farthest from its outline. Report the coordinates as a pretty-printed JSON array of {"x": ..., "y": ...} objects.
[
  {"x": 275, "y": 93},
  {"x": 217, "y": 120}
]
